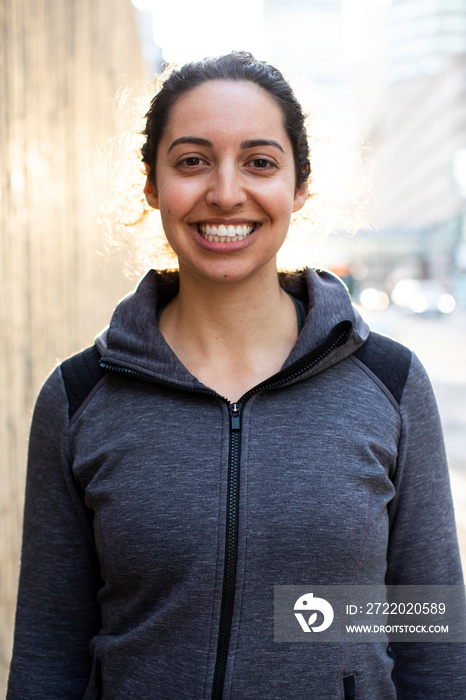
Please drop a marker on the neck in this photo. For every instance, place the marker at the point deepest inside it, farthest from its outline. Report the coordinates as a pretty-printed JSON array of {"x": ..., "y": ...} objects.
[
  {"x": 219, "y": 313},
  {"x": 231, "y": 336}
]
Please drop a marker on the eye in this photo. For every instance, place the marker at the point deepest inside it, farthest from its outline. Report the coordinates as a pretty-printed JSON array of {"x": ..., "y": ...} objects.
[
  {"x": 262, "y": 164},
  {"x": 191, "y": 162}
]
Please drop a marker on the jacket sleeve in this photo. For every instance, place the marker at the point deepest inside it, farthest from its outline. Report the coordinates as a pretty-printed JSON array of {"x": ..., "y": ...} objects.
[
  {"x": 423, "y": 547},
  {"x": 57, "y": 612}
]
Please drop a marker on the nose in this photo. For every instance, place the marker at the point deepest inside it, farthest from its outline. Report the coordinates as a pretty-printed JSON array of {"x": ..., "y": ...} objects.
[{"x": 226, "y": 188}]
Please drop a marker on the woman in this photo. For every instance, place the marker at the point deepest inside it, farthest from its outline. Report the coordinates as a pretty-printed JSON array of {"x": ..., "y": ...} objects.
[{"x": 233, "y": 430}]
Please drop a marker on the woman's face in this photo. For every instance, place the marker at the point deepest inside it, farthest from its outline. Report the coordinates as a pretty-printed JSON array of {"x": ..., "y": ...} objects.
[{"x": 225, "y": 180}]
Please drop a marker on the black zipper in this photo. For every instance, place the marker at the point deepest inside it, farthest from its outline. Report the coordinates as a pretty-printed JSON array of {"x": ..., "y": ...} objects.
[
  {"x": 231, "y": 548},
  {"x": 338, "y": 336}
]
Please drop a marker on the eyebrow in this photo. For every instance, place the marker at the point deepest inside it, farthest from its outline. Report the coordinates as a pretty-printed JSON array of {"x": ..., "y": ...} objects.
[
  {"x": 251, "y": 143},
  {"x": 191, "y": 139}
]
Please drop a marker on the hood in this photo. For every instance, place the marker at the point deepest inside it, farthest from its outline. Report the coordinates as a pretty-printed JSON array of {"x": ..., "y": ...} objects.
[{"x": 133, "y": 341}]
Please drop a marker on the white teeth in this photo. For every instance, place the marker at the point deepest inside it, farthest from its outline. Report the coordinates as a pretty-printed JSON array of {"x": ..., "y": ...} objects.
[{"x": 222, "y": 233}]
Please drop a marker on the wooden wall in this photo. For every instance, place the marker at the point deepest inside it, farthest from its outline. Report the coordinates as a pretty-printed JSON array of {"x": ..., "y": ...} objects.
[{"x": 61, "y": 63}]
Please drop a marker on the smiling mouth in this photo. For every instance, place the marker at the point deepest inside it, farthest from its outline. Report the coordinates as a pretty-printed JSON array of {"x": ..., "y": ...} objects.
[{"x": 225, "y": 234}]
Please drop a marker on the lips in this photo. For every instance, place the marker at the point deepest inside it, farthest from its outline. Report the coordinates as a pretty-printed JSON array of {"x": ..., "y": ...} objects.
[{"x": 221, "y": 233}]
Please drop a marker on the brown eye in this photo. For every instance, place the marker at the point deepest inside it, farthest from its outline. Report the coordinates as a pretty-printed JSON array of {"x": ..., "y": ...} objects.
[
  {"x": 261, "y": 163},
  {"x": 191, "y": 162}
]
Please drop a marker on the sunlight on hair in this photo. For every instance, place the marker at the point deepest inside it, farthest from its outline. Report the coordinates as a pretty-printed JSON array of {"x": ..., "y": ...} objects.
[
  {"x": 339, "y": 192},
  {"x": 128, "y": 221},
  {"x": 339, "y": 188}
]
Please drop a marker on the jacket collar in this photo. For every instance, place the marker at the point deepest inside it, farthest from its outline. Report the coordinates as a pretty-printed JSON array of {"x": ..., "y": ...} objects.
[{"x": 134, "y": 343}]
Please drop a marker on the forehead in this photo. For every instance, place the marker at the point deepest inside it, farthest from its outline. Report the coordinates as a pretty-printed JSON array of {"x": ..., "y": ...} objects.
[{"x": 225, "y": 108}]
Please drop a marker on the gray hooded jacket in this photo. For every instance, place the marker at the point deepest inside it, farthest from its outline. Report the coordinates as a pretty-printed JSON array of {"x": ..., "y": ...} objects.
[{"x": 159, "y": 518}]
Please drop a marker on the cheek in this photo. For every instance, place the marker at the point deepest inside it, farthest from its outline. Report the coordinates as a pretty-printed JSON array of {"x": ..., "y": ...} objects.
[
  {"x": 280, "y": 201},
  {"x": 176, "y": 199},
  {"x": 277, "y": 192}
]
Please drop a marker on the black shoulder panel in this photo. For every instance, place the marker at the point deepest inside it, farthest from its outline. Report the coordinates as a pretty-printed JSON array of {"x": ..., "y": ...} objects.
[
  {"x": 388, "y": 360},
  {"x": 80, "y": 375}
]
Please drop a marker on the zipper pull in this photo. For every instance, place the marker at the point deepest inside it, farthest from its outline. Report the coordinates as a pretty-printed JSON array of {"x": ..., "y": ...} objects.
[{"x": 235, "y": 416}]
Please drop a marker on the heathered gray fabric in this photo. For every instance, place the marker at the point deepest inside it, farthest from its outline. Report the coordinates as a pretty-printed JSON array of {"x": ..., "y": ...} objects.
[{"x": 125, "y": 521}]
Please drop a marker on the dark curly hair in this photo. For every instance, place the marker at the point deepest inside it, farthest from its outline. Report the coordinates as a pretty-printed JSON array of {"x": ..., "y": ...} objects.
[{"x": 236, "y": 66}]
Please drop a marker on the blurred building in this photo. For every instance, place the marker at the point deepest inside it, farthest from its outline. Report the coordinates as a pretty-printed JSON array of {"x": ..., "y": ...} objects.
[
  {"x": 151, "y": 51},
  {"x": 410, "y": 97},
  {"x": 303, "y": 38}
]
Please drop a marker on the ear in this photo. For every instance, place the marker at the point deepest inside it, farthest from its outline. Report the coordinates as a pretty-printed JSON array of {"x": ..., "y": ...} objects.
[
  {"x": 300, "y": 198},
  {"x": 150, "y": 191}
]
